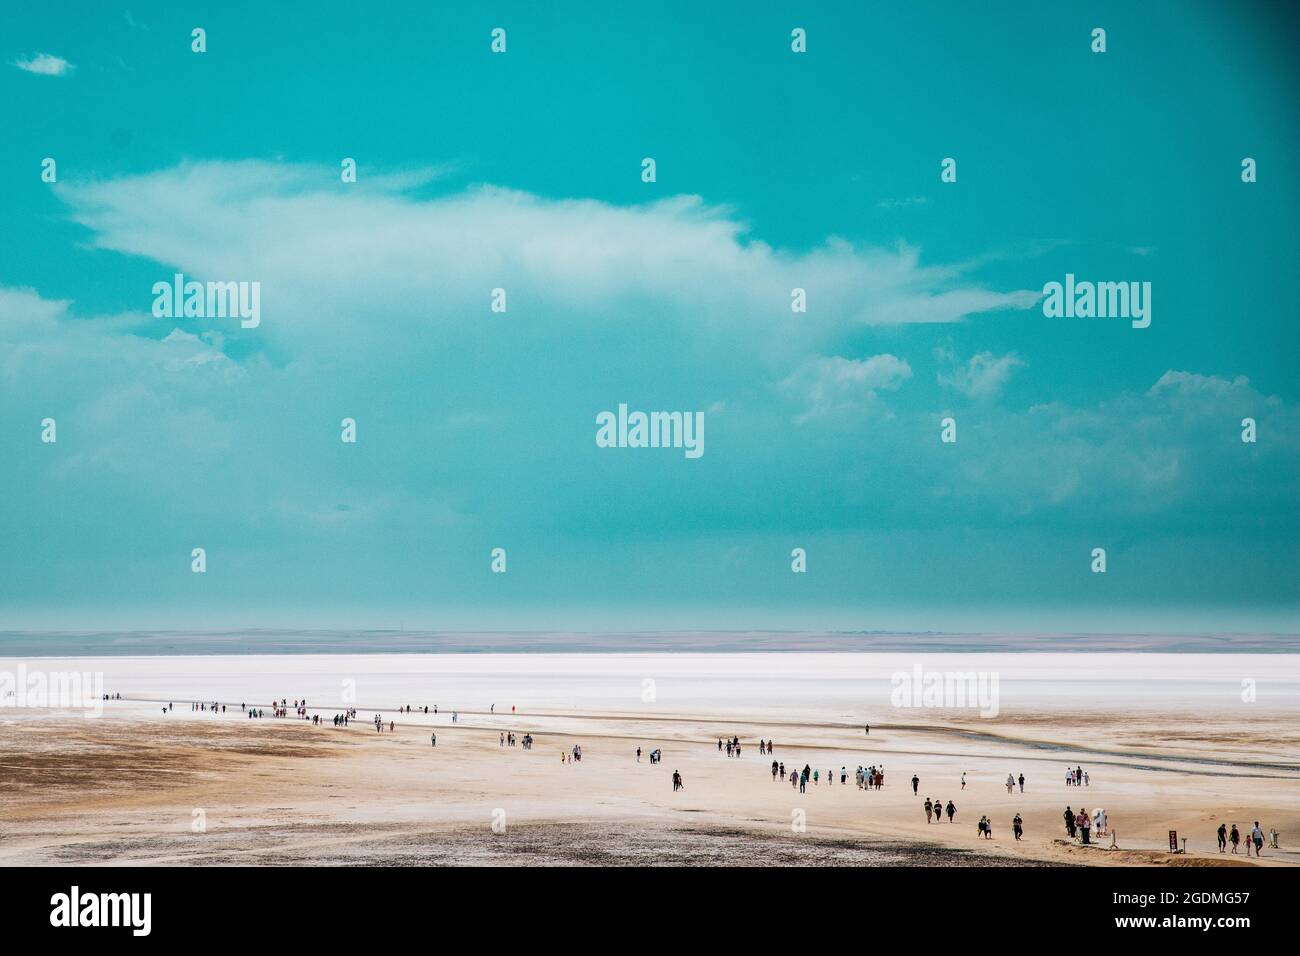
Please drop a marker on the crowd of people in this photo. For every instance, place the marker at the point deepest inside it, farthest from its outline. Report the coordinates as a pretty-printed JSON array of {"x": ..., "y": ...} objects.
[
  {"x": 873, "y": 778},
  {"x": 1082, "y": 824}
]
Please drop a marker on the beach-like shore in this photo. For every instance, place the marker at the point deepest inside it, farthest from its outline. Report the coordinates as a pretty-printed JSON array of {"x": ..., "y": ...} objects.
[{"x": 1162, "y": 750}]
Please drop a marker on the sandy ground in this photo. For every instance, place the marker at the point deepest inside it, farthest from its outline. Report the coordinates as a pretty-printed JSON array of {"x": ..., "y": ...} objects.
[{"x": 130, "y": 789}]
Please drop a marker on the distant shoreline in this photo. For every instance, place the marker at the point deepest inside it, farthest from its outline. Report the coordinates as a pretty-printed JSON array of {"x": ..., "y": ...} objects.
[{"x": 279, "y": 642}]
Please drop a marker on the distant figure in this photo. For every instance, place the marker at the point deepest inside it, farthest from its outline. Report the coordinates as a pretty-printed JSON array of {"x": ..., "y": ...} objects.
[
  {"x": 916, "y": 782},
  {"x": 1017, "y": 826},
  {"x": 963, "y": 779},
  {"x": 867, "y": 728},
  {"x": 677, "y": 782},
  {"x": 952, "y": 810},
  {"x": 433, "y": 740},
  {"x": 1223, "y": 837},
  {"x": 638, "y": 754},
  {"x": 928, "y": 807},
  {"x": 1022, "y": 783}
]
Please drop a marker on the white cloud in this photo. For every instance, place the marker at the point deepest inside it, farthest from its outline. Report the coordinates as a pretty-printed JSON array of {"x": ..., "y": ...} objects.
[
  {"x": 902, "y": 203},
  {"x": 96, "y": 371},
  {"x": 1175, "y": 444},
  {"x": 153, "y": 416},
  {"x": 1191, "y": 384},
  {"x": 45, "y": 64},
  {"x": 332, "y": 252},
  {"x": 983, "y": 376},
  {"x": 835, "y": 385}
]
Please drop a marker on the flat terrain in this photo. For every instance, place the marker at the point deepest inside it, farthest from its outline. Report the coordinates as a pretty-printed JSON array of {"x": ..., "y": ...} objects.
[{"x": 131, "y": 788}]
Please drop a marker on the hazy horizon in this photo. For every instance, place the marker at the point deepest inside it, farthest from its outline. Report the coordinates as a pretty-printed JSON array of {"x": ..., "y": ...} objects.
[{"x": 145, "y": 643}]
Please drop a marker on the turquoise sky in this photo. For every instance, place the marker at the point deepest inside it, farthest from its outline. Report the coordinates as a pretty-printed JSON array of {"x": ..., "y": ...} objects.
[{"x": 775, "y": 170}]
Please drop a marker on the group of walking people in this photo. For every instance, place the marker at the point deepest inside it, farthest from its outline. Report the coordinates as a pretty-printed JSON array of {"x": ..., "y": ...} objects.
[
  {"x": 1253, "y": 839},
  {"x": 1085, "y": 825},
  {"x": 872, "y": 778},
  {"x": 936, "y": 809}
]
